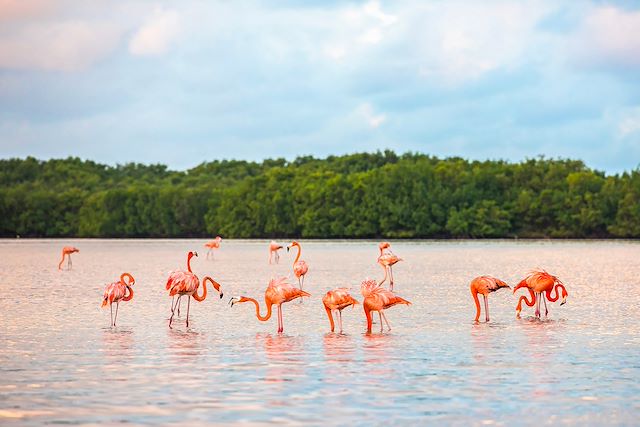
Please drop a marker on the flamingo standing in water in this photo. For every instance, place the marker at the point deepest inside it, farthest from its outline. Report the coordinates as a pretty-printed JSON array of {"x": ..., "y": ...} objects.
[
  {"x": 377, "y": 298},
  {"x": 539, "y": 282},
  {"x": 183, "y": 283},
  {"x": 67, "y": 251},
  {"x": 337, "y": 299},
  {"x": 214, "y": 244},
  {"x": 189, "y": 256},
  {"x": 273, "y": 249},
  {"x": 278, "y": 292},
  {"x": 387, "y": 260},
  {"x": 485, "y": 285},
  {"x": 116, "y": 292},
  {"x": 300, "y": 268}
]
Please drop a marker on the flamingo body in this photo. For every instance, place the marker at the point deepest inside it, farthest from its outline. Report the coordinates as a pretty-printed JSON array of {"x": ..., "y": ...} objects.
[
  {"x": 274, "y": 247},
  {"x": 118, "y": 291},
  {"x": 484, "y": 285},
  {"x": 214, "y": 244},
  {"x": 377, "y": 298},
  {"x": 538, "y": 283},
  {"x": 337, "y": 299},
  {"x": 67, "y": 251}
]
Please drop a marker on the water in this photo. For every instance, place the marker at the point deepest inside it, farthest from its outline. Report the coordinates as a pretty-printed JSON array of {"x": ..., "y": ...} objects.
[{"x": 60, "y": 363}]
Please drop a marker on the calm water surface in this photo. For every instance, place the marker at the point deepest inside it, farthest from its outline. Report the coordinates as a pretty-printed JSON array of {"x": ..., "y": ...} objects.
[{"x": 60, "y": 363}]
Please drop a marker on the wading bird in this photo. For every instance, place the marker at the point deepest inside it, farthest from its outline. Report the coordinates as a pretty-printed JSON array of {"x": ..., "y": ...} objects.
[
  {"x": 300, "y": 268},
  {"x": 377, "y": 298},
  {"x": 273, "y": 249},
  {"x": 387, "y": 260},
  {"x": 116, "y": 292},
  {"x": 67, "y": 251},
  {"x": 337, "y": 299},
  {"x": 539, "y": 282},
  {"x": 278, "y": 292},
  {"x": 183, "y": 283},
  {"x": 485, "y": 285},
  {"x": 189, "y": 256},
  {"x": 214, "y": 244}
]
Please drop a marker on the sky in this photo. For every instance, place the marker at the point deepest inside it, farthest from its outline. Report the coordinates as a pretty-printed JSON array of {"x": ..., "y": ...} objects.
[{"x": 181, "y": 83}]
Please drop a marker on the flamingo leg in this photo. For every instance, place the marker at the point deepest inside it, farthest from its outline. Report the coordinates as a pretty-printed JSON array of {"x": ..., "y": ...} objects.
[
  {"x": 116, "y": 318},
  {"x": 277, "y": 257},
  {"x": 537, "y": 304},
  {"x": 188, "y": 305},
  {"x": 381, "y": 324},
  {"x": 178, "y": 304},
  {"x": 301, "y": 283},
  {"x": 340, "y": 315},
  {"x": 391, "y": 276},
  {"x": 280, "y": 321},
  {"x": 546, "y": 310},
  {"x": 69, "y": 265},
  {"x": 486, "y": 307},
  {"x": 173, "y": 311},
  {"x": 385, "y": 319},
  {"x": 111, "y": 307}
]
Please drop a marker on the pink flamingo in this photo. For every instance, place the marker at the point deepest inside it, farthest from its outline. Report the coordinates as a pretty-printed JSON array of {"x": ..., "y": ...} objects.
[
  {"x": 278, "y": 292},
  {"x": 273, "y": 249},
  {"x": 539, "y": 282},
  {"x": 116, "y": 292},
  {"x": 300, "y": 268},
  {"x": 384, "y": 245},
  {"x": 183, "y": 283},
  {"x": 377, "y": 298},
  {"x": 214, "y": 244},
  {"x": 387, "y": 260},
  {"x": 337, "y": 299},
  {"x": 485, "y": 285},
  {"x": 67, "y": 251}
]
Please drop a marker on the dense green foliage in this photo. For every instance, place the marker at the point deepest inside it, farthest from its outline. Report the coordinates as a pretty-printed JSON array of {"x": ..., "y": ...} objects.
[{"x": 359, "y": 195}]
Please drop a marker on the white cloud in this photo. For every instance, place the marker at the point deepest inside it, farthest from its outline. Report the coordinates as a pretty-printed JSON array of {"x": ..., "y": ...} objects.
[
  {"x": 374, "y": 120},
  {"x": 156, "y": 35},
  {"x": 629, "y": 124}
]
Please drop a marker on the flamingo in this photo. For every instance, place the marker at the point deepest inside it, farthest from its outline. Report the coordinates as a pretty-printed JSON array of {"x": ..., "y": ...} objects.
[
  {"x": 539, "y": 282},
  {"x": 278, "y": 292},
  {"x": 189, "y": 256},
  {"x": 67, "y": 251},
  {"x": 300, "y": 268},
  {"x": 214, "y": 244},
  {"x": 387, "y": 260},
  {"x": 116, "y": 292},
  {"x": 485, "y": 285},
  {"x": 337, "y": 299},
  {"x": 384, "y": 245},
  {"x": 377, "y": 298},
  {"x": 273, "y": 249},
  {"x": 183, "y": 283}
]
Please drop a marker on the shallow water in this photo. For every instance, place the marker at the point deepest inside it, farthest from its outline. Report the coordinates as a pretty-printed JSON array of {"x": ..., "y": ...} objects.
[{"x": 61, "y": 363}]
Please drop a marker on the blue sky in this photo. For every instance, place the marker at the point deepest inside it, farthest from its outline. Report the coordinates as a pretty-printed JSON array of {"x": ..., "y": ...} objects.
[{"x": 185, "y": 82}]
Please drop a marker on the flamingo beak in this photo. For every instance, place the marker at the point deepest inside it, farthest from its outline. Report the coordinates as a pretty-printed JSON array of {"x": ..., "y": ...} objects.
[
  {"x": 195, "y": 253},
  {"x": 564, "y": 300},
  {"x": 287, "y": 249},
  {"x": 233, "y": 300}
]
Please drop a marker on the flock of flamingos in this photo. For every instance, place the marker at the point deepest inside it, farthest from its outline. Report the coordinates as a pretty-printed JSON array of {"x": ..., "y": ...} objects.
[{"x": 377, "y": 298}]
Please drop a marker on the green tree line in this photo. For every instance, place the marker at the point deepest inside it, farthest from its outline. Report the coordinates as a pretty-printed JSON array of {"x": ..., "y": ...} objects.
[{"x": 360, "y": 195}]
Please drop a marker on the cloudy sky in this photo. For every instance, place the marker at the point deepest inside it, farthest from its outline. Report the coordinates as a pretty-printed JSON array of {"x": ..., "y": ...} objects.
[{"x": 191, "y": 81}]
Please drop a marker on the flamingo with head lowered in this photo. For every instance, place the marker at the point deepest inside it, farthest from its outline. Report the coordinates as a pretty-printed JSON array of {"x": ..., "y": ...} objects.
[
  {"x": 300, "y": 268},
  {"x": 116, "y": 292},
  {"x": 539, "y": 283},
  {"x": 185, "y": 283},
  {"x": 387, "y": 261},
  {"x": 214, "y": 244},
  {"x": 484, "y": 285},
  {"x": 67, "y": 251},
  {"x": 377, "y": 298},
  {"x": 337, "y": 299},
  {"x": 274, "y": 247},
  {"x": 278, "y": 292}
]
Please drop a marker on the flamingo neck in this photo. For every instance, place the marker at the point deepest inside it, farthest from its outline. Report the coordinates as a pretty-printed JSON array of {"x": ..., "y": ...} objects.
[
  {"x": 385, "y": 274},
  {"x": 330, "y": 316},
  {"x": 61, "y": 261},
  {"x": 202, "y": 297},
  {"x": 261, "y": 318},
  {"x": 297, "y": 256},
  {"x": 130, "y": 296},
  {"x": 367, "y": 312},
  {"x": 189, "y": 262},
  {"x": 557, "y": 293},
  {"x": 526, "y": 301},
  {"x": 477, "y": 301}
]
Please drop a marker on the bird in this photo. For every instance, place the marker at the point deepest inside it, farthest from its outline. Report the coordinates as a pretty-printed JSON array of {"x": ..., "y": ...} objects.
[
  {"x": 274, "y": 247},
  {"x": 539, "y": 282},
  {"x": 214, "y": 244},
  {"x": 337, "y": 299},
  {"x": 384, "y": 245},
  {"x": 183, "y": 283},
  {"x": 377, "y": 298},
  {"x": 116, "y": 292},
  {"x": 300, "y": 268},
  {"x": 485, "y": 285},
  {"x": 387, "y": 260},
  {"x": 67, "y": 251},
  {"x": 189, "y": 256},
  {"x": 278, "y": 292}
]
